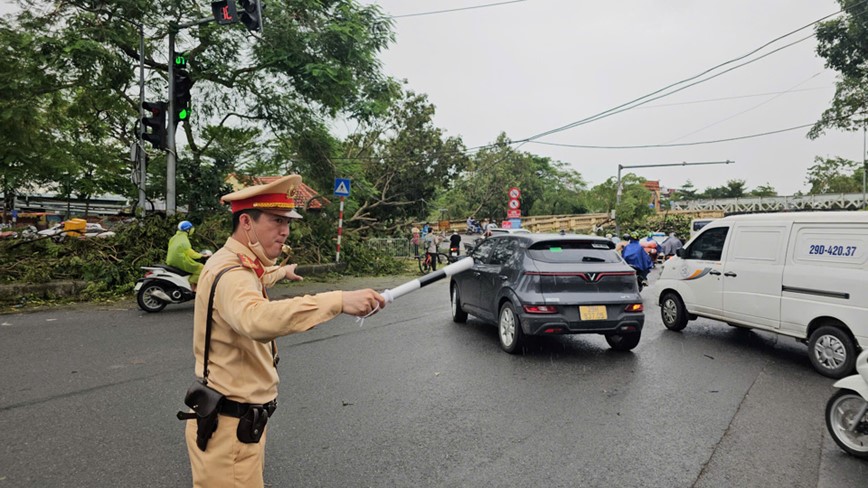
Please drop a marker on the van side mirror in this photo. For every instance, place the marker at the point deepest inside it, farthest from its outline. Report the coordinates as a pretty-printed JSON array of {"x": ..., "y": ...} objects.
[{"x": 681, "y": 253}]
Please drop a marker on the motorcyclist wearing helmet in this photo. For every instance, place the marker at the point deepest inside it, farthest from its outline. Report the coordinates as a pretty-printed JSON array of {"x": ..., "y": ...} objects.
[
  {"x": 181, "y": 254},
  {"x": 636, "y": 257}
]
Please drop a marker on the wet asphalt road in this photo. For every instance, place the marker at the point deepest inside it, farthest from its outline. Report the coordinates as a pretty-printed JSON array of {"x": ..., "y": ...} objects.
[{"x": 88, "y": 397}]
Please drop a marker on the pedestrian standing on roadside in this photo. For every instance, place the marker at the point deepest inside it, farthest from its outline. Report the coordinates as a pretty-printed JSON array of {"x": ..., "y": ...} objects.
[
  {"x": 233, "y": 337},
  {"x": 414, "y": 239},
  {"x": 431, "y": 241}
]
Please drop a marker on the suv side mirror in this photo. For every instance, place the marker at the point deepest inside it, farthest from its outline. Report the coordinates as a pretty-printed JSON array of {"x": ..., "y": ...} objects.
[{"x": 681, "y": 252}]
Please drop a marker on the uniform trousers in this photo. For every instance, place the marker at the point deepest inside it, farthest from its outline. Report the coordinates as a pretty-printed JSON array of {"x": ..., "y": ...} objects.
[{"x": 226, "y": 462}]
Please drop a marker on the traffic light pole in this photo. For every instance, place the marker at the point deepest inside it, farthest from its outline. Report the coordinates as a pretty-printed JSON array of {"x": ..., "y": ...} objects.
[
  {"x": 140, "y": 153},
  {"x": 619, "y": 190},
  {"x": 171, "y": 153}
]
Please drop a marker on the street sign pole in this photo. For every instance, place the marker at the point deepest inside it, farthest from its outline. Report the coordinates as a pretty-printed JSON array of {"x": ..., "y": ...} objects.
[
  {"x": 342, "y": 189},
  {"x": 340, "y": 231}
]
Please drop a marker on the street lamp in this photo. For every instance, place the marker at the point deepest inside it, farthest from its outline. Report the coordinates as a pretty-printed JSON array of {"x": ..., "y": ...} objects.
[{"x": 618, "y": 189}]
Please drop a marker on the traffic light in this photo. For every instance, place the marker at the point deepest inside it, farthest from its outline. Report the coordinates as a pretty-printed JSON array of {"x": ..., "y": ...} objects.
[
  {"x": 181, "y": 84},
  {"x": 224, "y": 12},
  {"x": 251, "y": 14},
  {"x": 155, "y": 118}
]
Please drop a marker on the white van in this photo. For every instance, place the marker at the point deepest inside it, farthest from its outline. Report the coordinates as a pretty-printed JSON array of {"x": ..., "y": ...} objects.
[{"x": 804, "y": 275}]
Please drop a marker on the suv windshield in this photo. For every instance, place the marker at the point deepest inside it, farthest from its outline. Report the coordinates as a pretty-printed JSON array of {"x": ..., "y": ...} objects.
[{"x": 573, "y": 252}]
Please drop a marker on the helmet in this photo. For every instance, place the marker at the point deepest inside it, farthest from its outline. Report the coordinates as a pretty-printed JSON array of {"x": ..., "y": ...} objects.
[
  {"x": 185, "y": 225},
  {"x": 626, "y": 236},
  {"x": 636, "y": 235}
]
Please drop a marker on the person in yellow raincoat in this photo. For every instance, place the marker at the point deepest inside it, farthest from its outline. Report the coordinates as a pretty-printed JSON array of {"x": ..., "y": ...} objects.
[{"x": 181, "y": 254}]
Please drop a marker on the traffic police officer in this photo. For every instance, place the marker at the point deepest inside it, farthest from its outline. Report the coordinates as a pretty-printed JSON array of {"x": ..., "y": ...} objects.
[{"x": 242, "y": 357}]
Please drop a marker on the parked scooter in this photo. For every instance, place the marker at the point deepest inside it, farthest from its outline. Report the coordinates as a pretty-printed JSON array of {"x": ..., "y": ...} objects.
[
  {"x": 162, "y": 285},
  {"x": 847, "y": 410}
]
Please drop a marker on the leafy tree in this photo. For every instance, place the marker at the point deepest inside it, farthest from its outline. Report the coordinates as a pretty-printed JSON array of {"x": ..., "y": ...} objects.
[
  {"x": 732, "y": 189},
  {"x": 834, "y": 175},
  {"x": 686, "y": 192},
  {"x": 556, "y": 190},
  {"x": 399, "y": 163},
  {"x": 766, "y": 190},
  {"x": 77, "y": 62},
  {"x": 547, "y": 187},
  {"x": 843, "y": 42},
  {"x": 635, "y": 200}
]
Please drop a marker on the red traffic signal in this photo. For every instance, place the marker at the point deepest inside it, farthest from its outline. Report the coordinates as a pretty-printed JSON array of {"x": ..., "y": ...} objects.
[{"x": 224, "y": 12}]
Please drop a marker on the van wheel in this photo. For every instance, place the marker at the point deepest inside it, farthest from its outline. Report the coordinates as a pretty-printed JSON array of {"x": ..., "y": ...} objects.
[
  {"x": 673, "y": 312},
  {"x": 832, "y": 352}
]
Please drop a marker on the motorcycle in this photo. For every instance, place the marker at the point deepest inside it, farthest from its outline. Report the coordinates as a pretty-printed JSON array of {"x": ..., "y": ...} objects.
[
  {"x": 847, "y": 410},
  {"x": 641, "y": 278},
  {"x": 163, "y": 284}
]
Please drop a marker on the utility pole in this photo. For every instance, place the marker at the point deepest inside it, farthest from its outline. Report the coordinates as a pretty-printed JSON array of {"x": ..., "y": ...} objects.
[{"x": 619, "y": 189}]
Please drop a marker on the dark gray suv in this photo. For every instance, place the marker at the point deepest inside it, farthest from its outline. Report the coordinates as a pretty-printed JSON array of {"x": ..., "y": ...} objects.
[{"x": 546, "y": 284}]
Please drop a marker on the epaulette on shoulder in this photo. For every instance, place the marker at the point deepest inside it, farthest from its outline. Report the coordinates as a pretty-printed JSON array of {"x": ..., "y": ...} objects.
[{"x": 246, "y": 261}]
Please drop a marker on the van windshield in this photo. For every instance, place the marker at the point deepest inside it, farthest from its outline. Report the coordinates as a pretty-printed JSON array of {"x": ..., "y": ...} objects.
[{"x": 573, "y": 252}]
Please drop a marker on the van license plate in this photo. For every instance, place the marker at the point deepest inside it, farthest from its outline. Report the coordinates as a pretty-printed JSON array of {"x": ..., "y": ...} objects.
[{"x": 593, "y": 312}]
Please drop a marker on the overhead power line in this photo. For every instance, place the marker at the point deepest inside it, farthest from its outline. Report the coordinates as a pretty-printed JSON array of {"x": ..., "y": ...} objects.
[
  {"x": 742, "y": 112},
  {"x": 419, "y": 14},
  {"x": 636, "y": 102},
  {"x": 736, "y": 97},
  {"x": 698, "y": 143},
  {"x": 648, "y": 146}
]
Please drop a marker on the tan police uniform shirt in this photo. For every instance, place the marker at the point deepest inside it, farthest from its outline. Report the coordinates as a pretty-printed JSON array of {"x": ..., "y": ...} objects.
[{"x": 245, "y": 322}]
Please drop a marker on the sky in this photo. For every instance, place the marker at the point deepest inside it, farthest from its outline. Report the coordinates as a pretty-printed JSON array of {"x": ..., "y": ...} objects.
[{"x": 530, "y": 66}]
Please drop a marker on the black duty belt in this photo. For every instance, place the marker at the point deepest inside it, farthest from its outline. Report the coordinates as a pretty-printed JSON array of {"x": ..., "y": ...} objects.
[{"x": 235, "y": 409}]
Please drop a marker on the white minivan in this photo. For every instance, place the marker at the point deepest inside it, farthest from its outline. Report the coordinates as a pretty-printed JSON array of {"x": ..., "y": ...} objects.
[{"x": 803, "y": 275}]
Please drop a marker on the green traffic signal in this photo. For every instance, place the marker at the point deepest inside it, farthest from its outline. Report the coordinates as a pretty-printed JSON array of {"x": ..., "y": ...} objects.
[
  {"x": 182, "y": 115},
  {"x": 180, "y": 60}
]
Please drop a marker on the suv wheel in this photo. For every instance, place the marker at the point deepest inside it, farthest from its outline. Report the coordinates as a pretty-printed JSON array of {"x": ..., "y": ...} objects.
[
  {"x": 832, "y": 352},
  {"x": 673, "y": 312},
  {"x": 623, "y": 342},
  {"x": 509, "y": 329},
  {"x": 458, "y": 315}
]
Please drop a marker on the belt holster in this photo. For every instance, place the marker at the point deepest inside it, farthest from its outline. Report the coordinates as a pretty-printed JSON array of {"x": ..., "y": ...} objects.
[{"x": 205, "y": 402}]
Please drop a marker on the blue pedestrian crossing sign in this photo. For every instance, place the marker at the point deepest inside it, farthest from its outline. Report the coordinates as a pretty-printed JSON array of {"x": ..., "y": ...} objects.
[{"x": 342, "y": 187}]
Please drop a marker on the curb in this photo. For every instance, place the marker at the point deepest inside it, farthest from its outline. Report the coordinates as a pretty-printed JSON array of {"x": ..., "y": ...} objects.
[
  {"x": 55, "y": 289},
  {"x": 13, "y": 293}
]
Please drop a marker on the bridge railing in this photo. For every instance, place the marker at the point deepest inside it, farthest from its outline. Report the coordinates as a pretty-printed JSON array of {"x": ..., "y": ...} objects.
[{"x": 829, "y": 201}]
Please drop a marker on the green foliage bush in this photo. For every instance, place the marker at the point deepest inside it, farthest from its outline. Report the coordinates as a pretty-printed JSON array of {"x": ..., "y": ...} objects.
[
  {"x": 362, "y": 260},
  {"x": 111, "y": 266}
]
